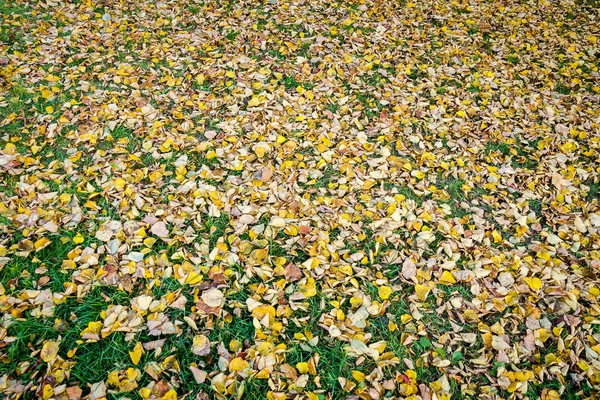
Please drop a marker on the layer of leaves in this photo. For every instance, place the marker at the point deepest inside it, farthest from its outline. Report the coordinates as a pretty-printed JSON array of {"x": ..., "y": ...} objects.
[{"x": 311, "y": 200}]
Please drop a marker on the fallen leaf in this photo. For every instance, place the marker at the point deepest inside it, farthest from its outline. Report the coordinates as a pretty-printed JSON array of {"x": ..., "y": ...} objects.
[{"x": 213, "y": 298}]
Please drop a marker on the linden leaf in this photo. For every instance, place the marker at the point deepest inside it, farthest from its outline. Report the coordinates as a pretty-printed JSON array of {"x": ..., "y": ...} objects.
[
  {"x": 47, "y": 94},
  {"x": 422, "y": 291},
  {"x": 78, "y": 239},
  {"x": 213, "y": 298},
  {"x": 104, "y": 235},
  {"x": 447, "y": 278},
  {"x": 136, "y": 354},
  {"x": 533, "y": 283},
  {"x": 201, "y": 345},
  {"x": 302, "y": 367},
  {"x": 49, "y": 351},
  {"x": 238, "y": 364},
  {"x": 41, "y": 244},
  {"x": 384, "y": 292},
  {"x": 199, "y": 375},
  {"x": 160, "y": 229}
]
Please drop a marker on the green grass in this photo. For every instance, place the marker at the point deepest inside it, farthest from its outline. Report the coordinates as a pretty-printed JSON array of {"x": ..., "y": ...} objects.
[
  {"x": 94, "y": 359},
  {"x": 29, "y": 38},
  {"x": 217, "y": 228},
  {"x": 594, "y": 192},
  {"x": 334, "y": 362}
]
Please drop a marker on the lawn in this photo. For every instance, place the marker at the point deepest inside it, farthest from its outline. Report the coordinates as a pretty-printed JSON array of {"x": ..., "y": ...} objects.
[{"x": 299, "y": 200}]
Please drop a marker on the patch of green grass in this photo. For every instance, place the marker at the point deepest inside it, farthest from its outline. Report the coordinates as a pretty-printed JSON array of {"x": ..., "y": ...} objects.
[
  {"x": 594, "y": 192},
  {"x": 587, "y": 3},
  {"x": 94, "y": 360},
  {"x": 379, "y": 328},
  {"x": 8, "y": 185},
  {"x": 328, "y": 176},
  {"x": 10, "y": 8},
  {"x": 196, "y": 160},
  {"x": 231, "y": 35},
  {"x": 217, "y": 227},
  {"x": 333, "y": 364},
  {"x": 416, "y": 74},
  {"x": 11, "y": 13},
  {"x": 333, "y": 107},
  {"x": 57, "y": 149},
  {"x": 456, "y": 290},
  {"x": 499, "y": 147},
  {"x": 239, "y": 329},
  {"x": 535, "y": 206},
  {"x": 290, "y": 83},
  {"x": 50, "y": 258},
  {"x": 563, "y": 89}
]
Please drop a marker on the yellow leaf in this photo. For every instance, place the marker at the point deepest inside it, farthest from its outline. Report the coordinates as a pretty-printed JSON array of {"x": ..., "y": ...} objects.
[
  {"x": 69, "y": 264},
  {"x": 262, "y": 310},
  {"x": 418, "y": 174},
  {"x": 497, "y": 237},
  {"x": 302, "y": 367},
  {"x": 422, "y": 291},
  {"x": 41, "y": 243},
  {"x": 193, "y": 278},
  {"x": 155, "y": 176},
  {"x": 78, "y": 239},
  {"x": 200, "y": 79},
  {"x": 49, "y": 351},
  {"x": 384, "y": 292},
  {"x": 281, "y": 139},
  {"x": 136, "y": 354},
  {"x": 119, "y": 183},
  {"x": 552, "y": 395},
  {"x": 10, "y": 149},
  {"x": 533, "y": 283},
  {"x": 65, "y": 198},
  {"x": 254, "y": 101},
  {"x": 170, "y": 395},
  {"x": 235, "y": 345},
  {"x": 47, "y": 94},
  {"x": 238, "y": 364},
  {"x": 260, "y": 151},
  {"x": 263, "y": 374},
  {"x": 447, "y": 278},
  {"x": 406, "y": 318},
  {"x": 48, "y": 392},
  {"x": 358, "y": 376}
]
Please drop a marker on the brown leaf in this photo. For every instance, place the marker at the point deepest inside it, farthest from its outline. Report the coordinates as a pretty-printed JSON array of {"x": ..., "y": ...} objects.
[
  {"x": 409, "y": 269},
  {"x": 74, "y": 393},
  {"x": 266, "y": 175},
  {"x": 293, "y": 273},
  {"x": 160, "y": 229},
  {"x": 425, "y": 392},
  {"x": 199, "y": 375}
]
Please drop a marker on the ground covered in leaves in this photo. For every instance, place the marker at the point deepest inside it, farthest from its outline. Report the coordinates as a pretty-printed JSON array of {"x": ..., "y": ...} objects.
[{"x": 299, "y": 199}]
